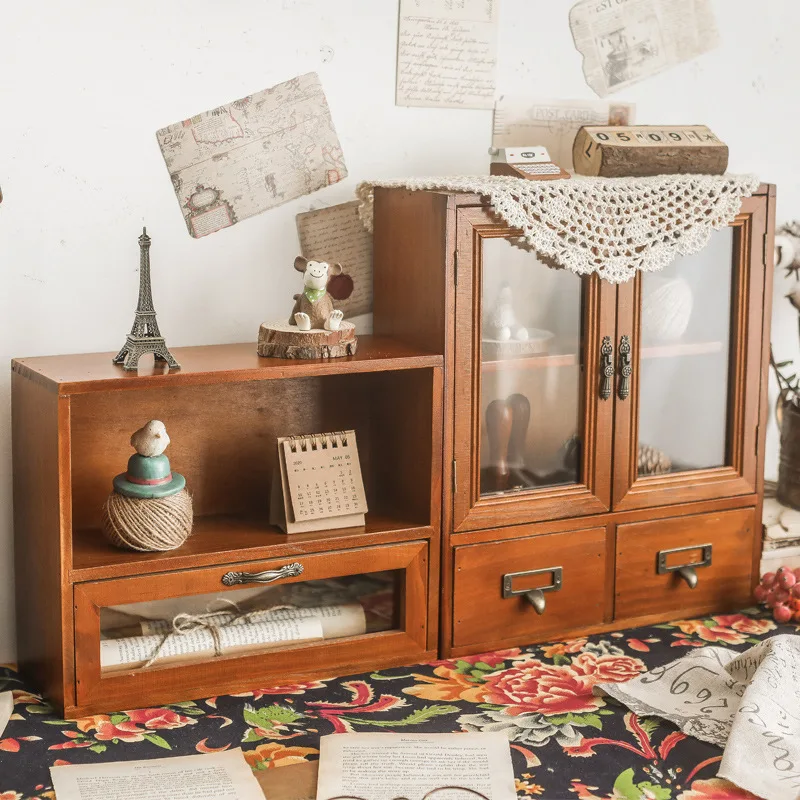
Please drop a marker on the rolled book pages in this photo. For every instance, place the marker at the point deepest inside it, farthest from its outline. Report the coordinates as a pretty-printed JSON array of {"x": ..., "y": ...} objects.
[{"x": 237, "y": 635}]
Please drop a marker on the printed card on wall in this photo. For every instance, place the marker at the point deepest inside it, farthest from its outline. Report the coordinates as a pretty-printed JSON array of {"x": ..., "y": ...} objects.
[
  {"x": 624, "y": 42},
  {"x": 337, "y": 234},
  {"x": 447, "y": 53},
  {"x": 525, "y": 122},
  {"x": 240, "y": 159}
]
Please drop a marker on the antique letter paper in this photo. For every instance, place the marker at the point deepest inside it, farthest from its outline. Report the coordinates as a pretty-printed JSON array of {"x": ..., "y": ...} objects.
[
  {"x": 242, "y": 158},
  {"x": 748, "y": 703},
  {"x": 383, "y": 766},
  {"x": 337, "y": 234},
  {"x": 447, "y": 53},
  {"x": 6, "y": 709},
  {"x": 217, "y": 776},
  {"x": 524, "y": 122},
  {"x": 625, "y": 41}
]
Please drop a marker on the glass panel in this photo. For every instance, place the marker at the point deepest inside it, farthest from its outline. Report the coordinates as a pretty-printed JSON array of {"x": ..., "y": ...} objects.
[
  {"x": 530, "y": 376},
  {"x": 683, "y": 382},
  {"x": 196, "y": 628}
]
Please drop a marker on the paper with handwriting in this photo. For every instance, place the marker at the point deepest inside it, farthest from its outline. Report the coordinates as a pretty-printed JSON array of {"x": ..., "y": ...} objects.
[
  {"x": 337, "y": 234},
  {"x": 526, "y": 121},
  {"x": 250, "y": 155},
  {"x": 748, "y": 703},
  {"x": 447, "y": 53}
]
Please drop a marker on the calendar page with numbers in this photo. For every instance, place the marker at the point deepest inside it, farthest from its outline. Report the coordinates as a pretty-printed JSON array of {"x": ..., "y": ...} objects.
[{"x": 323, "y": 474}]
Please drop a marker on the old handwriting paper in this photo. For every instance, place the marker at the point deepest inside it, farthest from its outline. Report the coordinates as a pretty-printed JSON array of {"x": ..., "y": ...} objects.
[
  {"x": 250, "y": 155},
  {"x": 383, "y": 766},
  {"x": 525, "y": 122},
  {"x": 447, "y": 53},
  {"x": 217, "y": 776},
  {"x": 337, "y": 234}
]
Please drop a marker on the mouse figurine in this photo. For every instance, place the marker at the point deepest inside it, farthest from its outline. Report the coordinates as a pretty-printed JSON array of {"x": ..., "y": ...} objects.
[{"x": 322, "y": 283}]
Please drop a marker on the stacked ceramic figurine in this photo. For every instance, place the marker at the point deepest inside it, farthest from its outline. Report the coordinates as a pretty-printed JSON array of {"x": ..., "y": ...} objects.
[{"x": 150, "y": 507}]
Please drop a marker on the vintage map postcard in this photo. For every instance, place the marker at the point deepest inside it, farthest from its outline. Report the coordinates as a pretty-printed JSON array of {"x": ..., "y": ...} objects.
[{"x": 240, "y": 159}]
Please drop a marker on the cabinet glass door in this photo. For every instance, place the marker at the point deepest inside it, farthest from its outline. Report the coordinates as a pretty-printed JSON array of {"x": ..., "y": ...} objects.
[
  {"x": 527, "y": 382},
  {"x": 687, "y": 372}
]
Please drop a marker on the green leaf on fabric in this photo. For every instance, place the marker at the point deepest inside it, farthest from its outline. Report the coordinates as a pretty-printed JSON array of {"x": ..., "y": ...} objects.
[
  {"x": 490, "y": 707},
  {"x": 268, "y": 716},
  {"x": 415, "y": 718},
  {"x": 38, "y": 709},
  {"x": 477, "y": 675},
  {"x": 648, "y": 724},
  {"x": 57, "y": 722},
  {"x": 709, "y": 623},
  {"x": 117, "y": 718},
  {"x": 252, "y": 736},
  {"x": 482, "y": 665},
  {"x": 606, "y": 712},
  {"x": 590, "y": 720},
  {"x": 751, "y": 640},
  {"x": 625, "y": 787},
  {"x": 561, "y": 659},
  {"x": 376, "y": 676},
  {"x": 463, "y": 666},
  {"x": 157, "y": 740},
  {"x": 664, "y": 627},
  {"x": 98, "y": 748}
]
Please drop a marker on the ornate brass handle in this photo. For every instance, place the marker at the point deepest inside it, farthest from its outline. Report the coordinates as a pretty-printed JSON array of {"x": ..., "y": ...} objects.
[
  {"x": 625, "y": 367},
  {"x": 268, "y": 576},
  {"x": 688, "y": 572},
  {"x": 606, "y": 367},
  {"x": 534, "y": 596}
]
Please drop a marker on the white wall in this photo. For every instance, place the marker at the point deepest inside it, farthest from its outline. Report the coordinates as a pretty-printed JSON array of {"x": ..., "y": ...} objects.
[{"x": 86, "y": 84}]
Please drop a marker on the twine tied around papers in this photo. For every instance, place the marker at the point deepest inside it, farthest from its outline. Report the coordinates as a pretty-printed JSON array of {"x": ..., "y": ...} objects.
[{"x": 212, "y": 621}]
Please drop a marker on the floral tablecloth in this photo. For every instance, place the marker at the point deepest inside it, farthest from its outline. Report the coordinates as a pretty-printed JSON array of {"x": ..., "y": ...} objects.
[{"x": 566, "y": 743}]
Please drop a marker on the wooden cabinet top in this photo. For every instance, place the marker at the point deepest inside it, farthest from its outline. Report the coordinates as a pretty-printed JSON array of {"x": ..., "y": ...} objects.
[{"x": 224, "y": 363}]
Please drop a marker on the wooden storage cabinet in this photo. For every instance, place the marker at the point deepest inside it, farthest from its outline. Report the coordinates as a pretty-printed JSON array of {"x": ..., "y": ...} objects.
[
  {"x": 72, "y": 420},
  {"x": 633, "y": 411},
  {"x": 497, "y": 586}
]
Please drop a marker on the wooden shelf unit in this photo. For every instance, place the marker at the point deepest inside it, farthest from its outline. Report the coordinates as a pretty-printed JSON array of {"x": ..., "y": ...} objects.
[{"x": 72, "y": 420}]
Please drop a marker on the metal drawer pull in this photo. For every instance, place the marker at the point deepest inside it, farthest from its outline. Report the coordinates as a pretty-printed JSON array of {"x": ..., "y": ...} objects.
[
  {"x": 270, "y": 575},
  {"x": 625, "y": 368},
  {"x": 606, "y": 367},
  {"x": 534, "y": 596},
  {"x": 686, "y": 571}
]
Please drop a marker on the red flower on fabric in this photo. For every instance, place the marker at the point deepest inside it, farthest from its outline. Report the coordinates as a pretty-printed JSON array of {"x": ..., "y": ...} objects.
[
  {"x": 289, "y": 688},
  {"x": 9, "y": 745},
  {"x": 607, "y": 669},
  {"x": 493, "y": 659},
  {"x": 715, "y": 789},
  {"x": 10, "y": 796},
  {"x": 159, "y": 718},
  {"x": 743, "y": 624},
  {"x": 541, "y": 688}
]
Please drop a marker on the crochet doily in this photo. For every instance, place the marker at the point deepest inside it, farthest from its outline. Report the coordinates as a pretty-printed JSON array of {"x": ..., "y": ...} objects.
[{"x": 611, "y": 226}]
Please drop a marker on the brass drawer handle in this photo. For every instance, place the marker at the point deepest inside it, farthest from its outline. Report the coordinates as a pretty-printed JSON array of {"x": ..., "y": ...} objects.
[
  {"x": 625, "y": 368},
  {"x": 606, "y": 367},
  {"x": 686, "y": 571},
  {"x": 534, "y": 596},
  {"x": 268, "y": 576}
]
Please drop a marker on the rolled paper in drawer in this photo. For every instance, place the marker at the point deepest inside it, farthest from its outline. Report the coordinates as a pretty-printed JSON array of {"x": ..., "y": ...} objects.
[
  {"x": 133, "y": 652},
  {"x": 337, "y": 621}
]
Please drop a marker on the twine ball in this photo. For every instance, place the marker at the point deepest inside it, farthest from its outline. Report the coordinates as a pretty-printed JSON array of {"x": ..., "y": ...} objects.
[
  {"x": 666, "y": 308},
  {"x": 148, "y": 524}
]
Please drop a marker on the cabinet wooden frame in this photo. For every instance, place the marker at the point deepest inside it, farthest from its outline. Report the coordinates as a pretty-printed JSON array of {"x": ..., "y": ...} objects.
[
  {"x": 590, "y": 496},
  {"x": 289, "y": 663},
  {"x": 748, "y": 304}
]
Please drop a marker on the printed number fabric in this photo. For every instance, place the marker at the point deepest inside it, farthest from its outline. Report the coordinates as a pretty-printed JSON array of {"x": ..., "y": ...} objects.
[{"x": 566, "y": 743}]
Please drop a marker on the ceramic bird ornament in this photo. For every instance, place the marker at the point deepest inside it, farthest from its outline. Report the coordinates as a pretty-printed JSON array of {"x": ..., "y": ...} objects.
[
  {"x": 151, "y": 440},
  {"x": 503, "y": 322}
]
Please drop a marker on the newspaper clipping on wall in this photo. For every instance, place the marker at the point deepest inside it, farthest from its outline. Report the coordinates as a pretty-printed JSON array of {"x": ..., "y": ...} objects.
[
  {"x": 525, "y": 122},
  {"x": 625, "y": 41},
  {"x": 250, "y": 155}
]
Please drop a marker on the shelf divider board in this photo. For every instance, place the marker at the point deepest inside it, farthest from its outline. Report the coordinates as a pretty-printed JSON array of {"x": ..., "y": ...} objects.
[{"x": 224, "y": 363}]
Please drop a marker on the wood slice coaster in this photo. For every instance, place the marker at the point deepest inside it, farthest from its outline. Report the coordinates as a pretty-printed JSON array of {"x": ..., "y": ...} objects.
[{"x": 281, "y": 340}]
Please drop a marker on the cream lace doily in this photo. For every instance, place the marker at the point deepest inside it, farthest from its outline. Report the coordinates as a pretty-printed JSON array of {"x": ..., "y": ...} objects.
[{"x": 611, "y": 226}]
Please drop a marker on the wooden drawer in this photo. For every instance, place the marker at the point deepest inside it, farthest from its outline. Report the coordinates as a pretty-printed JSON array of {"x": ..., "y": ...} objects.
[
  {"x": 483, "y": 616},
  {"x": 399, "y": 637},
  {"x": 722, "y": 585}
]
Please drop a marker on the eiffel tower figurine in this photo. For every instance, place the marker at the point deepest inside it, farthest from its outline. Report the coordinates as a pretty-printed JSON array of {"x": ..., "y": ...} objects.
[{"x": 144, "y": 336}]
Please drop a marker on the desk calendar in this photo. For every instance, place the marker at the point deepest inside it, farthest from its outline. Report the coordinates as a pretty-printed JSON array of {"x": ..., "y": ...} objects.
[{"x": 320, "y": 485}]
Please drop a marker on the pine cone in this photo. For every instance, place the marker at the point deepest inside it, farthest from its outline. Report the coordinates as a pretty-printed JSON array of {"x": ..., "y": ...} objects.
[{"x": 653, "y": 461}]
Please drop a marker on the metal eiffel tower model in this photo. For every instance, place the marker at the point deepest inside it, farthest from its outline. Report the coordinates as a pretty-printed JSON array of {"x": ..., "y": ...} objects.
[{"x": 144, "y": 336}]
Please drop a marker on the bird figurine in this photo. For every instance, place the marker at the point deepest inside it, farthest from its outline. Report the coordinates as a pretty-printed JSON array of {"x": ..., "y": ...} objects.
[
  {"x": 151, "y": 439},
  {"x": 503, "y": 324}
]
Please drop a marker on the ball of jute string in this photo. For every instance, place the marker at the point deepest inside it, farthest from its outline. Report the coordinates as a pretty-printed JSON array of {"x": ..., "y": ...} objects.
[{"x": 149, "y": 524}]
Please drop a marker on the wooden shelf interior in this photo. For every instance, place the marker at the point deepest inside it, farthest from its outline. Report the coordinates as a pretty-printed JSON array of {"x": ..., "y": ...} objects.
[{"x": 223, "y": 440}]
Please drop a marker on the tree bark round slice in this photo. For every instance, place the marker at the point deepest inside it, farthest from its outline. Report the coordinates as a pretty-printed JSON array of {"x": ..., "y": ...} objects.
[{"x": 281, "y": 340}]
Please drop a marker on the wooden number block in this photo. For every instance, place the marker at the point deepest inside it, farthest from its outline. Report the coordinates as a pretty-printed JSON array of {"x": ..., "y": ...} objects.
[{"x": 642, "y": 150}]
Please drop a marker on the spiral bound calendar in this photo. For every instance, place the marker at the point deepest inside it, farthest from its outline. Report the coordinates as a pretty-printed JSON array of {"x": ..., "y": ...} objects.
[{"x": 320, "y": 485}]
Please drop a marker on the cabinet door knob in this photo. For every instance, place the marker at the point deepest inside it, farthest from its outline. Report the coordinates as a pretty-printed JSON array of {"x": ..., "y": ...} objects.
[
  {"x": 606, "y": 367},
  {"x": 268, "y": 576},
  {"x": 537, "y": 599},
  {"x": 625, "y": 367},
  {"x": 534, "y": 596}
]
